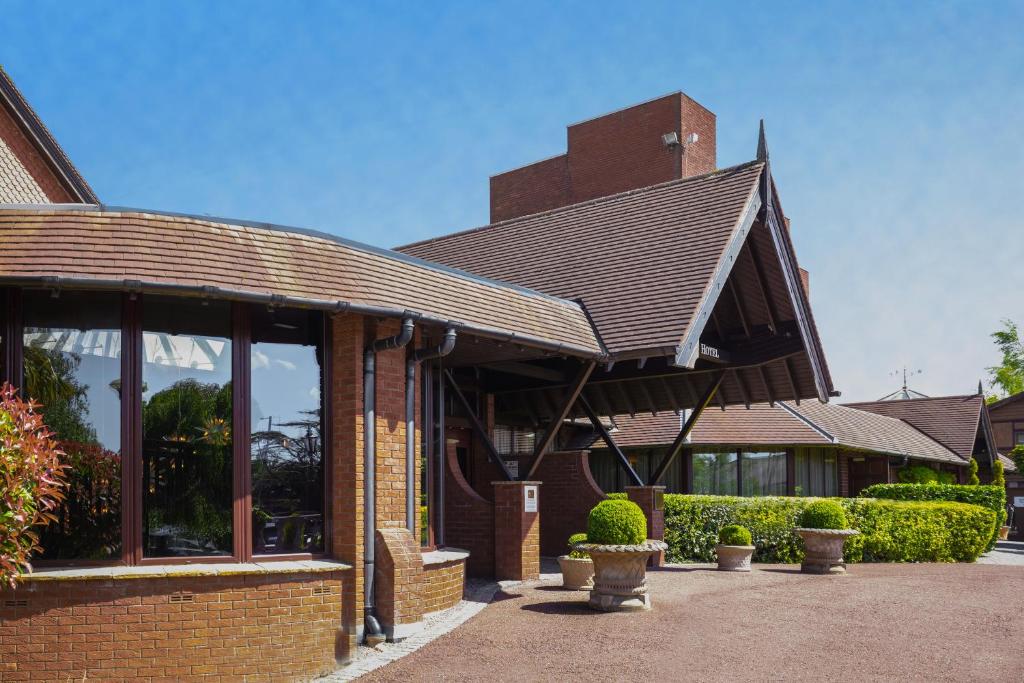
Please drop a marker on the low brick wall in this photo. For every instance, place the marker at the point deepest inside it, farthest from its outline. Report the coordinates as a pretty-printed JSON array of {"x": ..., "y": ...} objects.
[
  {"x": 229, "y": 626},
  {"x": 568, "y": 495},
  {"x": 444, "y": 580}
]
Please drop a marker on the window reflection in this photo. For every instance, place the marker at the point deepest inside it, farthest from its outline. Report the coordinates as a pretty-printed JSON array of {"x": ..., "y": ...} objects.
[
  {"x": 816, "y": 472},
  {"x": 287, "y": 445},
  {"x": 764, "y": 474},
  {"x": 186, "y": 428},
  {"x": 714, "y": 473},
  {"x": 72, "y": 366}
]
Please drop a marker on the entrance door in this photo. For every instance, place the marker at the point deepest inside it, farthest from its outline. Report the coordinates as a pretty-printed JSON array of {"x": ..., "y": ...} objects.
[{"x": 866, "y": 471}]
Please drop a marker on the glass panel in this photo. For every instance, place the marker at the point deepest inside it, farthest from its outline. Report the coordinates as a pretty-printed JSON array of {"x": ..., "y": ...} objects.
[
  {"x": 764, "y": 474},
  {"x": 287, "y": 445},
  {"x": 714, "y": 473},
  {"x": 830, "y": 474},
  {"x": 186, "y": 428},
  {"x": 802, "y": 486},
  {"x": 72, "y": 365}
]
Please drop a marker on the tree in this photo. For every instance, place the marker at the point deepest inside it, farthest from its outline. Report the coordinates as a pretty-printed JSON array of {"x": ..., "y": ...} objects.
[
  {"x": 972, "y": 476},
  {"x": 997, "y": 474},
  {"x": 1017, "y": 455},
  {"x": 1008, "y": 377}
]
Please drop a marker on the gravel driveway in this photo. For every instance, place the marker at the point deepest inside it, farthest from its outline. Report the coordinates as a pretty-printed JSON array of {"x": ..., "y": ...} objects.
[{"x": 879, "y": 622}]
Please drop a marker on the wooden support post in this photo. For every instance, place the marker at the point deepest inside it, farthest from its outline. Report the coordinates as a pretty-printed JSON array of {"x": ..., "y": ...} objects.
[{"x": 677, "y": 444}]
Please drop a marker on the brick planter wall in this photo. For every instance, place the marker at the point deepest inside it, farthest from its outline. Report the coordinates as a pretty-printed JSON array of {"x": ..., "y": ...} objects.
[
  {"x": 277, "y": 627},
  {"x": 568, "y": 495},
  {"x": 442, "y": 584}
]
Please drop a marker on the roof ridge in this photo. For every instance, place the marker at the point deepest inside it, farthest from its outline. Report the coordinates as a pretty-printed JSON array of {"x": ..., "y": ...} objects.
[
  {"x": 809, "y": 422},
  {"x": 909, "y": 400},
  {"x": 44, "y": 138},
  {"x": 587, "y": 202},
  {"x": 928, "y": 436},
  {"x": 308, "y": 232}
]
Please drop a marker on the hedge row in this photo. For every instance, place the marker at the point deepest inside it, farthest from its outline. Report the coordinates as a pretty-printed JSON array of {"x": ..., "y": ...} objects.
[
  {"x": 991, "y": 497},
  {"x": 891, "y": 531}
]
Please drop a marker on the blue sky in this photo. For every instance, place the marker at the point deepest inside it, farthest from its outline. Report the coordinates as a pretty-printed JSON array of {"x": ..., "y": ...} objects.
[{"x": 895, "y": 129}]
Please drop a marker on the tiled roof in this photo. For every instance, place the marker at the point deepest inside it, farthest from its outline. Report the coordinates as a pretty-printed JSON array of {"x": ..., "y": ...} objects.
[
  {"x": 809, "y": 424},
  {"x": 16, "y": 183},
  {"x": 56, "y": 157},
  {"x": 640, "y": 261},
  {"x": 156, "y": 250},
  {"x": 951, "y": 420}
]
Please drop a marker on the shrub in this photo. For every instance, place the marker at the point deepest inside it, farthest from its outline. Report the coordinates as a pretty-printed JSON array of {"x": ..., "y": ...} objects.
[
  {"x": 734, "y": 534},
  {"x": 918, "y": 474},
  {"x": 945, "y": 478},
  {"x": 1017, "y": 456},
  {"x": 31, "y": 482},
  {"x": 972, "y": 478},
  {"x": 998, "y": 478},
  {"x": 891, "y": 531},
  {"x": 824, "y": 514},
  {"x": 990, "y": 497},
  {"x": 577, "y": 554},
  {"x": 617, "y": 496},
  {"x": 616, "y": 522}
]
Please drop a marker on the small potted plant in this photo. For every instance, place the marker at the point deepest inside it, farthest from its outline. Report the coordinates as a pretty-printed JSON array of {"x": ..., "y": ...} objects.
[
  {"x": 824, "y": 528},
  {"x": 617, "y": 543},
  {"x": 577, "y": 567},
  {"x": 734, "y": 549}
]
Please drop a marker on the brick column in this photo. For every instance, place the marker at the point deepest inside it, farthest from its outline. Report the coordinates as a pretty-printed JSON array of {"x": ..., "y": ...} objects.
[
  {"x": 651, "y": 500},
  {"x": 397, "y": 583},
  {"x": 516, "y": 531}
]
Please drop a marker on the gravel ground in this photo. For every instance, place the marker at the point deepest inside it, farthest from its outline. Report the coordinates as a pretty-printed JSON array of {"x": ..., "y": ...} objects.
[{"x": 879, "y": 622}]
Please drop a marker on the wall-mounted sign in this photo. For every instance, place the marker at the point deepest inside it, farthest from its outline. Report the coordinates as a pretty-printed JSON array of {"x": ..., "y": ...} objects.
[
  {"x": 1018, "y": 501},
  {"x": 513, "y": 468},
  {"x": 709, "y": 351},
  {"x": 529, "y": 499},
  {"x": 659, "y": 500}
]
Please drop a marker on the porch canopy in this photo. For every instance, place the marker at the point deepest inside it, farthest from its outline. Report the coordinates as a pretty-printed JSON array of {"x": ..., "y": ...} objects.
[{"x": 692, "y": 287}]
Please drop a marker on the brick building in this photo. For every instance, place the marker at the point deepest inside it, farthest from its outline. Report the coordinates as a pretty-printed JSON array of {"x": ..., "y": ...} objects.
[
  {"x": 283, "y": 441},
  {"x": 1007, "y": 416}
]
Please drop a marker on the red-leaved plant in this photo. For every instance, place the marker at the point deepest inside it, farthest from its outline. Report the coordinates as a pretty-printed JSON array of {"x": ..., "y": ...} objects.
[{"x": 31, "y": 482}]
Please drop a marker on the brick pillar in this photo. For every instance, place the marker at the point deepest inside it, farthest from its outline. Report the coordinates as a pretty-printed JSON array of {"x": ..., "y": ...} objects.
[
  {"x": 651, "y": 500},
  {"x": 398, "y": 574},
  {"x": 516, "y": 531},
  {"x": 346, "y": 429}
]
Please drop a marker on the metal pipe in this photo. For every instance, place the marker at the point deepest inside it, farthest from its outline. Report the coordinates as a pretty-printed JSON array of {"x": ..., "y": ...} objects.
[
  {"x": 414, "y": 358},
  {"x": 442, "y": 456},
  {"x": 370, "y": 622}
]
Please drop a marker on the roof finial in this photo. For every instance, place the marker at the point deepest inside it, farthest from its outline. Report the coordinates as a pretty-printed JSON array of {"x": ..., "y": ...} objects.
[
  {"x": 762, "y": 145},
  {"x": 981, "y": 389}
]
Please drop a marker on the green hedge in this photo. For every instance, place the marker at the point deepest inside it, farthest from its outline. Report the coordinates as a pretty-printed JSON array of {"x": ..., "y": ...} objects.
[
  {"x": 891, "y": 531},
  {"x": 991, "y": 497}
]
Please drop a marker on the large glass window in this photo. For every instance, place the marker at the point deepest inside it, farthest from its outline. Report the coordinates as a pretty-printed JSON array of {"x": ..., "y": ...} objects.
[
  {"x": 187, "y": 472},
  {"x": 764, "y": 473},
  {"x": 817, "y": 473},
  {"x": 714, "y": 473},
  {"x": 287, "y": 442},
  {"x": 72, "y": 366}
]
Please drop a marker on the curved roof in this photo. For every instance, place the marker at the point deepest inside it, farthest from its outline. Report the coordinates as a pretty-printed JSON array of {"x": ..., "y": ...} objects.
[{"x": 96, "y": 246}]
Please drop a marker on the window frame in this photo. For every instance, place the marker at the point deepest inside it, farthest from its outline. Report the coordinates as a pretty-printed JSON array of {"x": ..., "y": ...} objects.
[{"x": 132, "y": 354}]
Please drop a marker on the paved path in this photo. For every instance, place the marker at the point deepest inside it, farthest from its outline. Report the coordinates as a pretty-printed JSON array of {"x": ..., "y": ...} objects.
[
  {"x": 880, "y": 622},
  {"x": 1005, "y": 552}
]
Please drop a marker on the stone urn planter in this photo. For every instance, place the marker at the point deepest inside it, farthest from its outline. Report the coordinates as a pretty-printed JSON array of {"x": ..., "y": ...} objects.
[
  {"x": 824, "y": 550},
  {"x": 734, "y": 558},
  {"x": 577, "y": 573},
  {"x": 1004, "y": 532},
  {"x": 620, "y": 575}
]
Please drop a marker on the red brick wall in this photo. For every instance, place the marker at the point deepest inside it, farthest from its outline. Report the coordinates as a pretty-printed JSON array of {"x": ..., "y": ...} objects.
[
  {"x": 347, "y": 467},
  {"x": 398, "y": 570},
  {"x": 516, "y": 533},
  {"x": 249, "y": 627},
  {"x": 33, "y": 165},
  {"x": 568, "y": 495},
  {"x": 613, "y": 153},
  {"x": 442, "y": 585},
  {"x": 469, "y": 519},
  {"x": 844, "y": 474},
  {"x": 530, "y": 189}
]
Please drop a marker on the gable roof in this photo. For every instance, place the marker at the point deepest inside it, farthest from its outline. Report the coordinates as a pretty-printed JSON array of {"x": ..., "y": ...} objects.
[
  {"x": 953, "y": 421},
  {"x": 90, "y": 246},
  {"x": 810, "y": 424},
  {"x": 19, "y": 181},
  {"x": 1012, "y": 398},
  {"x": 641, "y": 261}
]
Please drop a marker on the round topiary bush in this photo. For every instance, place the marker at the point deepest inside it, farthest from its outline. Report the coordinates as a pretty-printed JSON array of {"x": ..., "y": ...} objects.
[
  {"x": 616, "y": 522},
  {"x": 577, "y": 554},
  {"x": 734, "y": 534},
  {"x": 823, "y": 514}
]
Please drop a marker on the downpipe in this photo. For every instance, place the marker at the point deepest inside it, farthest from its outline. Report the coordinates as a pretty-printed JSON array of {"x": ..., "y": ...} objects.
[
  {"x": 414, "y": 359},
  {"x": 370, "y": 622}
]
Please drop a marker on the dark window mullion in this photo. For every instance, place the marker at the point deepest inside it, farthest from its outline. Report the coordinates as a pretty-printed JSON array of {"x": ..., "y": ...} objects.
[{"x": 241, "y": 432}]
